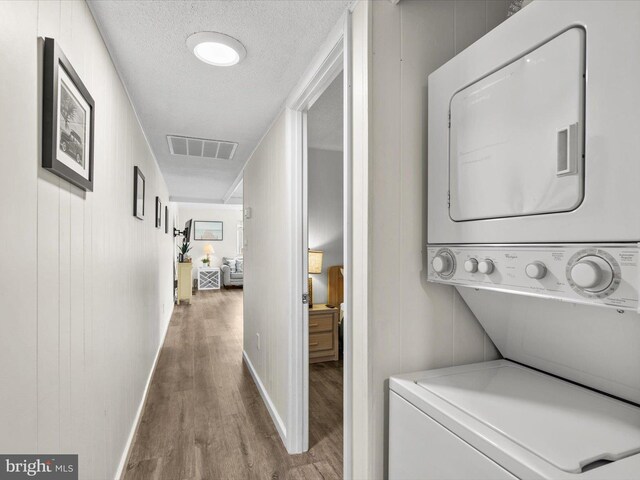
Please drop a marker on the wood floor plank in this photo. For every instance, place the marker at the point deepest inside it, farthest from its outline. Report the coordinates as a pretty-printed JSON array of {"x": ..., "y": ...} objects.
[{"x": 204, "y": 417}]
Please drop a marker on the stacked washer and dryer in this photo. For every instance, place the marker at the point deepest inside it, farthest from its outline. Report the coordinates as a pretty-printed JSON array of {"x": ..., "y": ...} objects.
[{"x": 534, "y": 217}]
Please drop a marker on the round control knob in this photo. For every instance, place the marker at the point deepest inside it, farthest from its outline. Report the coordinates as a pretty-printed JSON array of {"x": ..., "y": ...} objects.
[
  {"x": 592, "y": 273},
  {"x": 586, "y": 274},
  {"x": 536, "y": 270},
  {"x": 485, "y": 266},
  {"x": 442, "y": 263},
  {"x": 471, "y": 265}
]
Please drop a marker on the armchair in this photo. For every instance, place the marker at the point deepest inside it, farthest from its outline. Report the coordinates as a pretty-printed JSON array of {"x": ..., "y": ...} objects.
[{"x": 232, "y": 271}]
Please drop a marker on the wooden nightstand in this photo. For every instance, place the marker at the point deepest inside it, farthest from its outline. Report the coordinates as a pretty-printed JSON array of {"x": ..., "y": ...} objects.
[{"x": 323, "y": 334}]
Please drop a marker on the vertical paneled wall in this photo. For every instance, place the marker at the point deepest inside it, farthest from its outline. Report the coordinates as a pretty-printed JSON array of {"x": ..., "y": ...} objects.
[
  {"x": 86, "y": 288},
  {"x": 358, "y": 277},
  {"x": 268, "y": 264},
  {"x": 413, "y": 325}
]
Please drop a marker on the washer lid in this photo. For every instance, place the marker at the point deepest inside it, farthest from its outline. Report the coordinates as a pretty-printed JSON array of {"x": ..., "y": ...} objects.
[{"x": 564, "y": 424}]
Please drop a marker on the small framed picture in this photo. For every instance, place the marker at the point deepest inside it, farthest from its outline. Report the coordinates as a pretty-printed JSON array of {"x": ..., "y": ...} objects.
[
  {"x": 158, "y": 213},
  {"x": 68, "y": 113},
  {"x": 206, "y": 230},
  {"x": 166, "y": 219},
  {"x": 138, "y": 193}
]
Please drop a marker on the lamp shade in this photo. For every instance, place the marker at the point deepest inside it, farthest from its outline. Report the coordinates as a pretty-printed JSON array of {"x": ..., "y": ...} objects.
[
  {"x": 208, "y": 249},
  {"x": 315, "y": 261}
]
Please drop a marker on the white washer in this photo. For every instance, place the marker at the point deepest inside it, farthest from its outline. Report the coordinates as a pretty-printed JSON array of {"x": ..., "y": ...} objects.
[{"x": 501, "y": 420}]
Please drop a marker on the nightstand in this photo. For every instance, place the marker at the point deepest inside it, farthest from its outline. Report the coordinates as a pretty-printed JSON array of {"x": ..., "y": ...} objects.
[{"x": 323, "y": 334}]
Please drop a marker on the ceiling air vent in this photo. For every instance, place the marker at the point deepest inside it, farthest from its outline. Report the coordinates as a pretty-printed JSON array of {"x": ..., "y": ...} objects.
[{"x": 201, "y": 147}]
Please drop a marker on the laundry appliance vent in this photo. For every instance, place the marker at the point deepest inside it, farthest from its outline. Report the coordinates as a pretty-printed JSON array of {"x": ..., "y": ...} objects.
[{"x": 201, "y": 147}]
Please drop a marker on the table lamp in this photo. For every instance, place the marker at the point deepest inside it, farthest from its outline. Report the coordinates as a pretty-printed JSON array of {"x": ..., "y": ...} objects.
[
  {"x": 315, "y": 266},
  {"x": 208, "y": 251}
]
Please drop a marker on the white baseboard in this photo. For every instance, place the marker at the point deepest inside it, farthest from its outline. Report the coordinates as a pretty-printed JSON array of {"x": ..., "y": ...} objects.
[
  {"x": 125, "y": 454},
  {"x": 267, "y": 400}
]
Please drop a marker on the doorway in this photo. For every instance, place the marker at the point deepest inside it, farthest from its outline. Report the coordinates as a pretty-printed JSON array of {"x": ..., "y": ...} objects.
[
  {"x": 323, "y": 187},
  {"x": 332, "y": 62}
]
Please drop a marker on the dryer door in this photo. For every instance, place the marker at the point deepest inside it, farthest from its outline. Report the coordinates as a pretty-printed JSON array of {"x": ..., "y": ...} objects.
[{"x": 516, "y": 135}]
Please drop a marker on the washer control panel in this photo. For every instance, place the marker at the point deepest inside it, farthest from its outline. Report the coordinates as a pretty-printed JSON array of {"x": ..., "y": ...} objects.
[{"x": 605, "y": 274}]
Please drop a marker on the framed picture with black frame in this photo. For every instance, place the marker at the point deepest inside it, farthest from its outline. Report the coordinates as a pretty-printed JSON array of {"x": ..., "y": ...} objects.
[
  {"x": 158, "y": 213},
  {"x": 138, "y": 193},
  {"x": 166, "y": 219},
  {"x": 68, "y": 114},
  {"x": 207, "y": 230}
]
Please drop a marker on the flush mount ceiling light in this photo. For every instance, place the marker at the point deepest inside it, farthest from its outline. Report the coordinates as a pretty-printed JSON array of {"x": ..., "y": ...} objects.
[{"x": 216, "y": 48}]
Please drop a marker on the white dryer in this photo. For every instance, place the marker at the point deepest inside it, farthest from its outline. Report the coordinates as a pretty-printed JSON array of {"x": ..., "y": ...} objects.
[
  {"x": 533, "y": 175},
  {"x": 533, "y": 129}
]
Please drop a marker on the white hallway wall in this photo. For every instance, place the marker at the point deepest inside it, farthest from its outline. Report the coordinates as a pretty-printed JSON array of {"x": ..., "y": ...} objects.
[
  {"x": 268, "y": 264},
  {"x": 86, "y": 289},
  {"x": 325, "y": 213},
  {"x": 229, "y": 215},
  {"x": 357, "y": 277},
  {"x": 412, "y": 325}
]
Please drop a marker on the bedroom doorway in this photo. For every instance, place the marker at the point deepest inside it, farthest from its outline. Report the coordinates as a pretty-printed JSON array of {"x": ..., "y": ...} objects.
[
  {"x": 324, "y": 194},
  {"x": 330, "y": 72}
]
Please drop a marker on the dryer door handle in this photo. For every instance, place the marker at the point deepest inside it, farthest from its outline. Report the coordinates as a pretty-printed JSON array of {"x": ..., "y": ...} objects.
[{"x": 568, "y": 150}]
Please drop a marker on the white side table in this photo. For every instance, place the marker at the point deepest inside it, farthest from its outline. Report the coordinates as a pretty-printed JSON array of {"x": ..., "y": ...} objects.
[{"x": 208, "y": 278}]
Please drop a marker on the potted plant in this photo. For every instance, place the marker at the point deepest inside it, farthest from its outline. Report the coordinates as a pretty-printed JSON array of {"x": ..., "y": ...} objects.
[
  {"x": 206, "y": 262},
  {"x": 184, "y": 249}
]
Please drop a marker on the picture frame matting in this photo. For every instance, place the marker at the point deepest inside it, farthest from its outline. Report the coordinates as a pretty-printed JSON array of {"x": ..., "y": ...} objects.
[
  {"x": 68, "y": 118},
  {"x": 208, "y": 230},
  {"x": 139, "y": 188}
]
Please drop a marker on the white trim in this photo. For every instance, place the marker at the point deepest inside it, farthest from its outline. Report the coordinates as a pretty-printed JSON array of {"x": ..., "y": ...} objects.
[
  {"x": 304, "y": 190},
  {"x": 234, "y": 186},
  {"x": 347, "y": 330},
  {"x": 277, "y": 421},
  {"x": 134, "y": 428},
  {"x": 323, "y": 76},
  {"x": 318, "y": 68},
  {"x": 358, "y": 278},
  {"x": 297, "y": 415}
]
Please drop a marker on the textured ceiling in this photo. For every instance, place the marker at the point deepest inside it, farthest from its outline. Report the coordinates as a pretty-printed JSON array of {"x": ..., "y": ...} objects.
[
  {"x": 174, "y": 93},
  {"x": 324, "y": 119}
]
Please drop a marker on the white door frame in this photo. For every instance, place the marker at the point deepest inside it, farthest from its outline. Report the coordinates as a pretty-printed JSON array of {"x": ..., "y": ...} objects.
[{"x": 333, "y": 58}]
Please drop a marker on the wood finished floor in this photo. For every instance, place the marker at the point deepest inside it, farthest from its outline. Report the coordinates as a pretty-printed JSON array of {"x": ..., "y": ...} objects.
[{"x": 204, "y": 418}]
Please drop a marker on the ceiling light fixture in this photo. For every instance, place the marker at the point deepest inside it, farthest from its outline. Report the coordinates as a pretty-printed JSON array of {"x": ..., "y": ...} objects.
[{"x": 216, "y": 48}]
